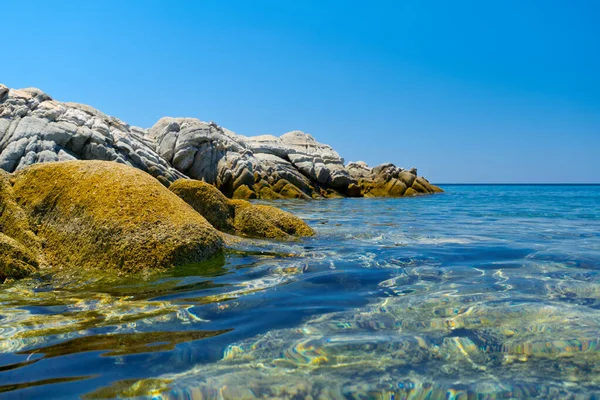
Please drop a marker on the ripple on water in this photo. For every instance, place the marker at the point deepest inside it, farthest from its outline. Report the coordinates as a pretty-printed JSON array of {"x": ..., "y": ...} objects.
[{"x": 479, "y": 293}]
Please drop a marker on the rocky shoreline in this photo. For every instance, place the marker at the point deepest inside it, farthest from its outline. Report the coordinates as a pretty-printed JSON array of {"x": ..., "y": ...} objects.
[
  {"x": 129, "y": 200},
  {"x": 34, "y": 128},
  {"x": 100, "y": 215}
]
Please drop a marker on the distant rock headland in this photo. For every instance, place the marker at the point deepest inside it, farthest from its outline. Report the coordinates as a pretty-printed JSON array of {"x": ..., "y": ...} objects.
[{"x": 34, "y": 128}]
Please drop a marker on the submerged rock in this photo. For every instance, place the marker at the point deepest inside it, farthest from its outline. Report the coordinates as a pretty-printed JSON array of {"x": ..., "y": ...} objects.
[
  {"x": 95, "y": 214},
  {"x": 238, "y": 216},
  {"x": 34, "y": 128}
]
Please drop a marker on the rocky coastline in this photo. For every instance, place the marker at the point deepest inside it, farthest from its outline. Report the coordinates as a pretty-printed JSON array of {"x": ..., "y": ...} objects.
[
  {"x": 34, "y": 128},
  {"x": 128, "y": 199}
]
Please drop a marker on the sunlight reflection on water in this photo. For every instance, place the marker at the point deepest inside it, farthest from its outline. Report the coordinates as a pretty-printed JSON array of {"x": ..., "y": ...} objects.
[{"x": 482, "y": 291}]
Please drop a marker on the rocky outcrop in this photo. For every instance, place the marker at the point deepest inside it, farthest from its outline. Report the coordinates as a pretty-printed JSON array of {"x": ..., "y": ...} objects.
[
  {"x": 240, "y": 167},
  {"x": 316, "y": 161},
  {"x": 97, "y": 214},
  {"x": 94, "y": 215},
  {"x": 34, "y": 128},
  {"x": 239, "y": 217},
  {"x": 387, "y": 180}
]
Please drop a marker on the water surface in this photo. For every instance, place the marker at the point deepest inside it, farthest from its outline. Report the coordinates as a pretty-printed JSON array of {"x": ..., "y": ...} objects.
[{"x": 480, "y": 292}]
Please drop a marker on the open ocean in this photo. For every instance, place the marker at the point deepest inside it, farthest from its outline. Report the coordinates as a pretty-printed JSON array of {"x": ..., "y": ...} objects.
[{"x": 482, "y": 292}]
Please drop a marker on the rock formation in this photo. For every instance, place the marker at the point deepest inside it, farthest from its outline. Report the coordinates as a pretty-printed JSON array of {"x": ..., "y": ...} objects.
[
  {"x": 95, "y": 213},
  {"x": 239, "y": 217},
  {"x": 104, "y": 215},
  {"x": 387, "y": 180},
  {"x": 20, "y": 248},
  {"x": 34, "y": 128}
]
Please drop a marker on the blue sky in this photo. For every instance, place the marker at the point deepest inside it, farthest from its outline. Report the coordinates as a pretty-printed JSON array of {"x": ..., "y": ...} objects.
[{"x": 467, "y": 91}]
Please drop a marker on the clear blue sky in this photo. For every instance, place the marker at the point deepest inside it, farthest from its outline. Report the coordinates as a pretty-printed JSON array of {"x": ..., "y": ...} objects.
[{"x": 467, "y": 91}]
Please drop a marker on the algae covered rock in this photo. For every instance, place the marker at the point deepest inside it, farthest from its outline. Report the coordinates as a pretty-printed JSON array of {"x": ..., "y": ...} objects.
[
  {"x": 238, "y": 216},
  {"x": 16, "y": 261},
  {"x": 387, "y": 180},
  {"x": 207, "y": 200},
  {"x": 96, "y": 214},
  {"x": 266, "y": 193},
  {"x": 266, "y": 221},
  {"x": 13, "y": 220},
  {"x": 288, "y": 190},
  {"x": 410, "y": 192},
  {"x": 244, "y": 192},
  {"x": 20, "y": 248}
]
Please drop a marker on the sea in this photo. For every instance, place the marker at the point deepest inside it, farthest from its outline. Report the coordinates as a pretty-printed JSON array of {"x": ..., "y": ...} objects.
[{"x": 480, "y": 292}]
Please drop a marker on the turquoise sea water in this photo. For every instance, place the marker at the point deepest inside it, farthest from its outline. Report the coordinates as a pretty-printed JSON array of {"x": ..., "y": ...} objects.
[{"x": 482, "y": 292}]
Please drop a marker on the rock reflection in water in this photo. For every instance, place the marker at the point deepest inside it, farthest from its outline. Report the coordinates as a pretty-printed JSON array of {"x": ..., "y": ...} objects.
[{"x": 123, "y": 344}]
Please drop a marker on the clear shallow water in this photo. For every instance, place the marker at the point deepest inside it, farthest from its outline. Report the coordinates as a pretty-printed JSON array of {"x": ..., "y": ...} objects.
[{"x": 481, "y": 292}]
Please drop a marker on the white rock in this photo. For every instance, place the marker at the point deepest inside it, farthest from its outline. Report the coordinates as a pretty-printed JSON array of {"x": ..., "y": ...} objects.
[{"x": 35, "y": 128}]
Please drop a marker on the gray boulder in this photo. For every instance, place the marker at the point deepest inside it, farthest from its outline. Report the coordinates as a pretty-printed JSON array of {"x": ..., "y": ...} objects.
[{"x": 34, "y": 128}]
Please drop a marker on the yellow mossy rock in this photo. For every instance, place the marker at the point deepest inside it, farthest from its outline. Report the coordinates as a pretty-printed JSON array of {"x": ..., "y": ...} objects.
[
  {"x": 13, "y": 220},
  {"x": 416, "y": 186},
  {"x": 391, "y": 188},
  {"x": 354, "y": 190},
  {"x": 239, "y": 216},
  {"x": 428, "y": 186},
  {"x": 16, "y": 261},
  {"x": 407, "y": 178},
  {"x": 244, "y": 192},
  {"x": 267, "y": 193},
  {"x": 99, "y": 214},
  {"x": 330, "y": 194},
  {"x": 290, "y": 191},
  {"x": 277, "y": 186},
  {"x": 207, "y": 200},
  {"x": 20, "y": 248},
  {"x": 411, "y": 192},
  {"x": 266, "y": 221}
]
